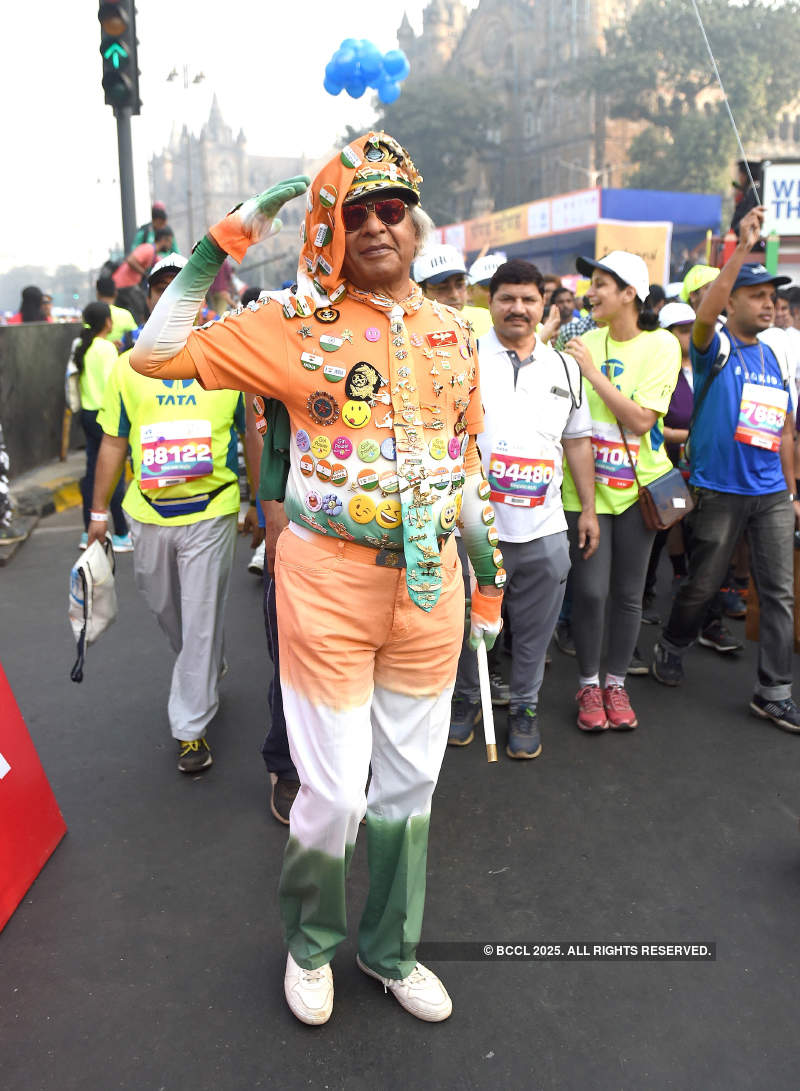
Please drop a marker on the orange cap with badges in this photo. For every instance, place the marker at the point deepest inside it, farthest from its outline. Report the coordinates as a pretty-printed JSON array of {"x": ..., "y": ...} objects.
[{"x": 373, "y": 163}]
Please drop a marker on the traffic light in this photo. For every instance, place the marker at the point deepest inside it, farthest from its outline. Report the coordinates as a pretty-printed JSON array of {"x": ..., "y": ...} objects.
[{"x": 118, "y": 50}]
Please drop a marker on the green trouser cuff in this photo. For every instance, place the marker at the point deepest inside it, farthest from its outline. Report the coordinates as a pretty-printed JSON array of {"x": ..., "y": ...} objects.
[
  {"x": 312, "y": 903},
  {"x": 391, "y": 925}
]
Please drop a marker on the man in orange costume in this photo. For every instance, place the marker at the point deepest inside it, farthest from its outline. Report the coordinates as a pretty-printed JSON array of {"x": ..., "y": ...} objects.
[{"x": 381, "y": 386}]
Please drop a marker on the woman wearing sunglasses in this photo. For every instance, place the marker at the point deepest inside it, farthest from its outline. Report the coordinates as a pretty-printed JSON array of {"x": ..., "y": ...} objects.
[{"x": 630, "y": 368}]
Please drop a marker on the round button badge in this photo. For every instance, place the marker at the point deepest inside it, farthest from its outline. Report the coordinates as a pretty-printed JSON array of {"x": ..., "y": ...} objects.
[
  {"x": 454, "y": 447},
  {"x": 306, "y": 465},
  {"x": 320, "y": 446},
  {"x": 388, "y": 481},
  {"x": 324, "y": 470},
  {"x": 367, "y": 479},
  {"x": 356, "y": 414},
  {"x": 338, "y": 474},
  {"x": 437, "y": 448},
  {"x": 313, "y": 501},
  {"x": 389, "y": 449},
  {"x": 361, "y": 509},
  {"x": 389, "y": 514},
  {"x": 368, "y": 450},
  {"x": 372, "y": 333},
  {"x": 342, "y": 447},
  {"x": 302, "y": 440}
]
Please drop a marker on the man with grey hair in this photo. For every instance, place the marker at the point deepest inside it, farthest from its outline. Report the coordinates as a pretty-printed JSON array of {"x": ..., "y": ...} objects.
[{"x": 381, "y": 388}]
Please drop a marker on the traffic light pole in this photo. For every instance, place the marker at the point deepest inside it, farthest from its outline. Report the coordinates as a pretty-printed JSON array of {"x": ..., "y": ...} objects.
[{"x": 126, "y": 186}]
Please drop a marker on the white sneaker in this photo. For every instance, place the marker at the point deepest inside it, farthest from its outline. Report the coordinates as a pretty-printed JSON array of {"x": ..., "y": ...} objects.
[
  {"x": 309, "y": 993},
  {"x": 256, "y": 565},
  {"x": 421, "y": 993}
]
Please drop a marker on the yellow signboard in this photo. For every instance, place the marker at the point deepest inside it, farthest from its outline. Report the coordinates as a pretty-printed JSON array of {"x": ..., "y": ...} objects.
[{"x": 650, "y": 240}]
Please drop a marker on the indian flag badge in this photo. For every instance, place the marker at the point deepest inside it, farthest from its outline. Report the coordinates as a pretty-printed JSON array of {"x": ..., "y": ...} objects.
[
  {"x": 328, "y": 196},
  {"x": 311, "y": 362},
  {"x": 322, "y": 235},
  {"x": 337, "y": 293},
  {"x": 332, "y": 373},
  {"x": 350, "y": 157},
  {"x": 329, "y": 342}
]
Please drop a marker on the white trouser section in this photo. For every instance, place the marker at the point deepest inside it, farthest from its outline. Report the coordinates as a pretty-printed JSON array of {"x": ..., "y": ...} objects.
[
  {"x": 403, "y": 737},
  {"x": 183, "y": 573}
]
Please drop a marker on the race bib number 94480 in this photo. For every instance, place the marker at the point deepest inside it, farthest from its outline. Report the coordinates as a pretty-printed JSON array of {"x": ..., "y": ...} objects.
[{"x": 521, "y": 482}]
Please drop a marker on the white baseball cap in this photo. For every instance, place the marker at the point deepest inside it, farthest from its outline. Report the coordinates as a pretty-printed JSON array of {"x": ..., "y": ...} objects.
[
  {"x": 437, "y": 263},
  {"x": 630, "y": 268},
  {"x": 168, "y": 262},
  {"x": 676, "y": 314},
  {"x": 482, "y": 270}
]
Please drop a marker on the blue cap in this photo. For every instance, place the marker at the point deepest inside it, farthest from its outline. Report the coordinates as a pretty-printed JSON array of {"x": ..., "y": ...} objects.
[{"x": 752, "y": 272}]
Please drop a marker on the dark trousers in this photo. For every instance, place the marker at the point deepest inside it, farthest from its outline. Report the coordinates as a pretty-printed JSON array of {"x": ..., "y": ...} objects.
[
  {"x": 275, "y": 750},
  {"x": 714, "y": 528},
  {"x": 94, "y": 437}
]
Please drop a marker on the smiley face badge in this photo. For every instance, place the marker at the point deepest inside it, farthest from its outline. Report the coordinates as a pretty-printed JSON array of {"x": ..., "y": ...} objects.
[{"x": 356, "y": 414}]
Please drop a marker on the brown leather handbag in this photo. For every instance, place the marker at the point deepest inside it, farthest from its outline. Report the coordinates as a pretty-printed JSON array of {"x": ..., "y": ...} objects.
[{"x": 664, "y": 501}]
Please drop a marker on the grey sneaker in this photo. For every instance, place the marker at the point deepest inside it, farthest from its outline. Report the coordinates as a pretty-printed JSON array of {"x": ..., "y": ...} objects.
[
  {"x": 637, "y": 664},
  {"x": 785, "y": 713},
  {"x": 563, "y": 638},
  {"x": 464, "y": 715},
  {"x": 11, "y": 533},
  {"x": 716, "y": 636},
  {"x": 524, "y": 740},
  {"x": 666, "y": 667},
  {"x": 500, "y": 690},
  {"x": 194, "y": 755}
]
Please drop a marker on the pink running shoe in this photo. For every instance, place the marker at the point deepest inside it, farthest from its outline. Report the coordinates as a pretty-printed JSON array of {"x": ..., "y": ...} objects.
[
  {"x": 591, "y": 710},
  {"x": 621, "y": 716}
]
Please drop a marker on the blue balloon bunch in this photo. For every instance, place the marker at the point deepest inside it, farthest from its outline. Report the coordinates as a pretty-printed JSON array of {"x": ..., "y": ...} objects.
[{"x": 358, "y": 64}]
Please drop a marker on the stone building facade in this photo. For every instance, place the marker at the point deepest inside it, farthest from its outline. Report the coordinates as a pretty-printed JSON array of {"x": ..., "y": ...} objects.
[
  {"x": 549, "y": 140},
  {"x": 201, "y": 177}
]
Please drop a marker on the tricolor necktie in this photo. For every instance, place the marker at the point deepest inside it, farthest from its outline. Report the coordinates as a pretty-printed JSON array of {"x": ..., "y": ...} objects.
[{"x": 423, "y": 564}]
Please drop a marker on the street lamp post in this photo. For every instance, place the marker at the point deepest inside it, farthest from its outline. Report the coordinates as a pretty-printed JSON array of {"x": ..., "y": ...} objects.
[{"x": 198, "y": 78}]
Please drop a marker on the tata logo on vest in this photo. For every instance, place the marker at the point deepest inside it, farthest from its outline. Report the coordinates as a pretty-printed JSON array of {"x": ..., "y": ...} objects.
[
  {"x": 176, "y": 399},
  {"x": 613, "y": 369}
]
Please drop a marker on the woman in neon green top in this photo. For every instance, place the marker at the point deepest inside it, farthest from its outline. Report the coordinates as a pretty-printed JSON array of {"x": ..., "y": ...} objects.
[
  {"x": 94, "y": 358},
  {"x": 630, "y": 368}
]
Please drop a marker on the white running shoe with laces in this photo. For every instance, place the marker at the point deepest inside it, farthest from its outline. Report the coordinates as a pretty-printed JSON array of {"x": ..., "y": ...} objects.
[
  {"x": 256, "y": 565},
  {"x": 421, "y": 993},
  {"x": 309, "y": 993}
]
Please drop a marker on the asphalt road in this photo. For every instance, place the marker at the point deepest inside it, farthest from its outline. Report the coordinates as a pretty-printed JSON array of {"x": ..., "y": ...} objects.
[{"x": 148, "y": 953}]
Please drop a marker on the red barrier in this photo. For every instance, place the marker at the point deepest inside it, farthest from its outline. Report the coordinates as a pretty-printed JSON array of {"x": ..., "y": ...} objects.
[{"x": 31, "y": 825}]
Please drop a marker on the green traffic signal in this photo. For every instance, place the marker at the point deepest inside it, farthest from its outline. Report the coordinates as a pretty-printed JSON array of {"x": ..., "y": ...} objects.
[
  {"x": 118, "y": 50},
  {"x": 116, "y": 53}
]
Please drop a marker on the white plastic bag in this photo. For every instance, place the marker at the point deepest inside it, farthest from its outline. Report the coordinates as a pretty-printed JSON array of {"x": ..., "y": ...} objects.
[
  {"x": 92, "y": 598},
  {"x": 72, "y": 391}
]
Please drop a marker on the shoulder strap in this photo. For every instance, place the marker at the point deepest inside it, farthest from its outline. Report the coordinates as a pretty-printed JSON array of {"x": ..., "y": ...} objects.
[
  {"x": 720, "y": 362},
  {"x": 576, "y": 402},
  {"x": 628, "y": 453}
]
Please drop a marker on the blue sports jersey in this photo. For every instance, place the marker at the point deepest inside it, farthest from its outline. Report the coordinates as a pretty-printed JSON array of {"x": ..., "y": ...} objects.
[{"x": 718, "y": 461}]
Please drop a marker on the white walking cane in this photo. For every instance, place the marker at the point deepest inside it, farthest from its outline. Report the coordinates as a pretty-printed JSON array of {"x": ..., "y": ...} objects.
[
  {"x": 486, "y": 703},
  {"x": 486, "y": 693}
]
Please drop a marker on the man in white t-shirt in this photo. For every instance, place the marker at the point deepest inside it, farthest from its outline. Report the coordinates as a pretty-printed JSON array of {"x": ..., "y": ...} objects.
[{"x": 535, "y": 414}]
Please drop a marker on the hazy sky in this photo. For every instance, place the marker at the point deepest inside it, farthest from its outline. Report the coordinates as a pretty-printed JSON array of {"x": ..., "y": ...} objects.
[{"x": 265, "y": 60}]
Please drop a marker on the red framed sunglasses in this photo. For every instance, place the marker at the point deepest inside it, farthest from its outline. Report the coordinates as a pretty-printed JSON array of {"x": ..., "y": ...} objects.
[{"x": 390, "y": 211}]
